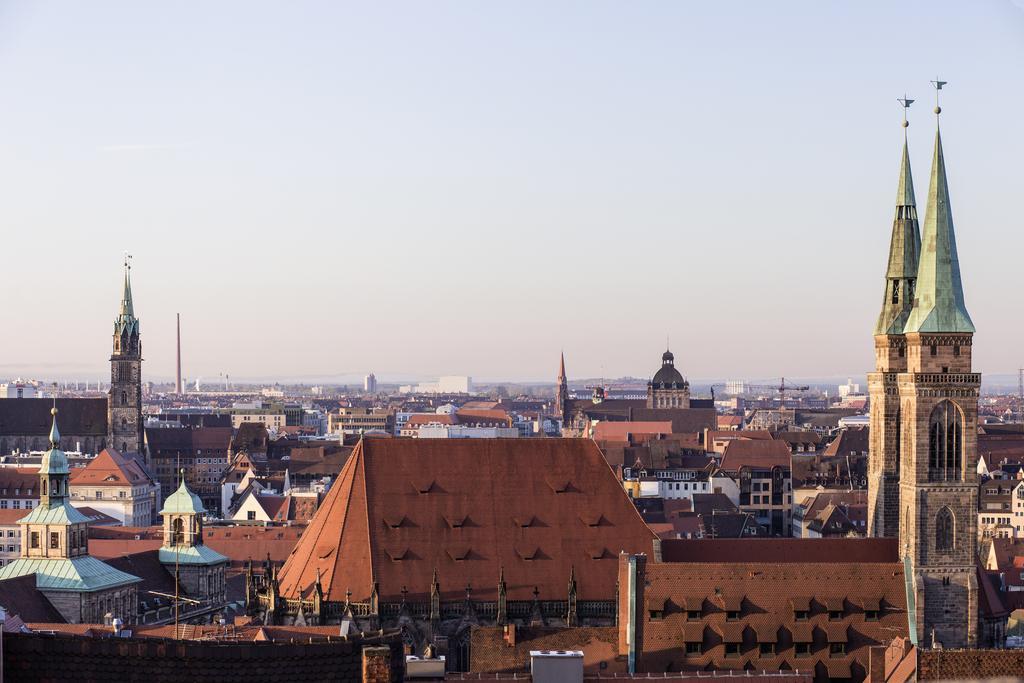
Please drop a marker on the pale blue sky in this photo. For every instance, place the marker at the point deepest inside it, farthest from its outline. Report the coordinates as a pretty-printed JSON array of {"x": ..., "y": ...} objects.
[{"x": 457, "y": 187}]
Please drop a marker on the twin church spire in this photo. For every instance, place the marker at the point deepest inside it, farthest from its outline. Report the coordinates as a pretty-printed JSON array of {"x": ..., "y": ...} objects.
[{"x": 923, "y": 291}]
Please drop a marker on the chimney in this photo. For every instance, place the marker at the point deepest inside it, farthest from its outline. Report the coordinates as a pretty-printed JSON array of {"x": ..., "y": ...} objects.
[
  {"x": 510, "y": 635},
  {"x": 376, "y": 665},
  {"x": 178, "y": 386},
  {"x": 556, "y": 666}
]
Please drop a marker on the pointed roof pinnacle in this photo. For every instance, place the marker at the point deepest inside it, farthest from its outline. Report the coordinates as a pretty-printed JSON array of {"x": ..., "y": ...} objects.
[
  {"x": 939, "y": 306},
  {"x": 127, "y": 308},
  {"x": 54, "y": 432},
  {"x": 54, "y": 461},
  {"x": 561, "y": 367},
  {"x": 904, "y": 247},
  {"x": 126, "y": 319}
]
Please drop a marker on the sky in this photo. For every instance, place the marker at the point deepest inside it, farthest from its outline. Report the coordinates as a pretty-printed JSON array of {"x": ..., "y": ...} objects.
[{"x": 422, "y": 188}]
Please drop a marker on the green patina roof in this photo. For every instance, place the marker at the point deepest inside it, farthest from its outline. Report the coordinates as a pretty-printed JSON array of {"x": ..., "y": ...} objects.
[
  {"x": 64, "y": 513},
  {"x": 939, "y": 306},
  {"x": 83, "y": 574},
  {"x": 183, "y": 501},
  {"x": 904, "y": 249},
  {"x": 54, "y": 461},
  {"x": 126, "y": 317},
  {"x": 196, "y": 554}
]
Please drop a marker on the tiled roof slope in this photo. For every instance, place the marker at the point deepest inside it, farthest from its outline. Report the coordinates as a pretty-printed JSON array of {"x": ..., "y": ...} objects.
[
  {"x": 31, "y": 416},
  {"x": 783, "y": 550},
  {"x": 20, "y": 596},
  {"x": 951, "y": 665},
  {"x": 468, "y": 508},
  {"x": 755, "y": 454},
  {"x": 767, "y": 597},
  {"x": 110, "y": 468}
]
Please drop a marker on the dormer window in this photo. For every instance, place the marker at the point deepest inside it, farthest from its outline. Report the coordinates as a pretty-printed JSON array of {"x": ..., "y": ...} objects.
[
  {"x": 732, "y": 615},
  {"x": 800, "y": 615}
]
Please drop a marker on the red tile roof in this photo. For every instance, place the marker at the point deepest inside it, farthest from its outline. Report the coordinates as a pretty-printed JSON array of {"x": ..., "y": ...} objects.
[
  {"x": 621, "y": 431},
  {"x": 420, "y": 419},
  {"x": 110, "y": 468},
  {"x": 761, "y": 592},
  {"x": 492, "y": 485},
  {"x": 782, "y": 550},
  {"x": 755, "y": 454}
]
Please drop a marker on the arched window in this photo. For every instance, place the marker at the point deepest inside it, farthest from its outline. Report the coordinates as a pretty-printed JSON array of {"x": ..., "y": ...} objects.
[
  {"x": 945, "y": 443},
  {"x": 177, "y": 532},
  {"x": 124, "y": 398},
  {"x": 944, "y": 528}
]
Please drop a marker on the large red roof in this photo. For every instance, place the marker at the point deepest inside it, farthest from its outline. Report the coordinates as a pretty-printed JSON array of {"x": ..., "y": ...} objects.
[{"x": 536, "y": 508}]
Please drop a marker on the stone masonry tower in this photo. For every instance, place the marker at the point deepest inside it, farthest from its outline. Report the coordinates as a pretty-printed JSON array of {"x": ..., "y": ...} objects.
[
  {"x": 124, "y": 402},
  {"x": 891, "y": 356},
  {"x": 562, "y": 388},
  {"x": 938, "y": 395}
]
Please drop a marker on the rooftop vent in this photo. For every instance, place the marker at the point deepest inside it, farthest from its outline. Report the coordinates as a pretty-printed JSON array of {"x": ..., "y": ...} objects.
[{"x": 556, "y": 666}]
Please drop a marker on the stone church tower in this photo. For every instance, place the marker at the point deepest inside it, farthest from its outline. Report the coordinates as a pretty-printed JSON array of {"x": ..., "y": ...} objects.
[
  {"x": 891, "y": 357},
  {"x": 561, "y": 389},
  {"x": 124, "y": 401},
  {"x": 936, "y": 429}
]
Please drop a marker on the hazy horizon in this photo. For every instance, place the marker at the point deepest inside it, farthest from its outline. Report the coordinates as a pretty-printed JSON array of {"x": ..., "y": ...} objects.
[{"x": 325, "y": 189}]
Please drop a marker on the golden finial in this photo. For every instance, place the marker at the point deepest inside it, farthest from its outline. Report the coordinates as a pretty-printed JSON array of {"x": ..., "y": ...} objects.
[{"x": 938, "y": 86}]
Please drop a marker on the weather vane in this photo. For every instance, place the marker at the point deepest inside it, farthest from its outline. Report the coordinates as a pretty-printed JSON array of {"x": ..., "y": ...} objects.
[
  {"x": 906, "y": 105},
  {"x": 938, "y": 86},
  {"x": 127, "y": 260}
]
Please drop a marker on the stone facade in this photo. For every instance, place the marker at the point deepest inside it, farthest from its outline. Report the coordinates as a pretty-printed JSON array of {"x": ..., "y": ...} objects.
[
  {"x": 124, "y": 403},
  {"x": 92, "y": 608},
  {"x": 938, "y": 485},
  {"x": 884, "y": 448}
]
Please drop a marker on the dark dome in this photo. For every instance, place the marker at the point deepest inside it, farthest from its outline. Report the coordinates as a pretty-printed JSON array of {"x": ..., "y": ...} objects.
[{"x": 667, "y": 375}]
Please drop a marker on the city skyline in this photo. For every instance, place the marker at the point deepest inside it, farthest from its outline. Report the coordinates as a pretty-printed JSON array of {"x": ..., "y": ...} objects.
[{"x": 711, "y": 178}]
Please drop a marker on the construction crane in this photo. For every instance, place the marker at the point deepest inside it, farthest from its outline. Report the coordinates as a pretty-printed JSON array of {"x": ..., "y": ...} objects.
[{"x": 783, "y": 388}]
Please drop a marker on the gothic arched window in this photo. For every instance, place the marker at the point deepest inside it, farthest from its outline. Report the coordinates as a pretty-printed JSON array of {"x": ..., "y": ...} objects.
[
  {"x": 944, "y": 528},
  {"x": 945, "y": 442}
]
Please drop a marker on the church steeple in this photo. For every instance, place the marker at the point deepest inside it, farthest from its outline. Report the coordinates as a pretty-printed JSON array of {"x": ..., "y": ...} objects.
[
  {"x": 126, "y": 320},
  {"x": 561, "y": 388},
  {"x": 904, "y": 249},
  {"x": 124, "y": 402},
  {"x": 939, "y": 305}
]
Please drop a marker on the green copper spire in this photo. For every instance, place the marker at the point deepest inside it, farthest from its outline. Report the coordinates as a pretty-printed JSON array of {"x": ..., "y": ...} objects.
[
  {"x": 939, "y": 306},
  {"x": 126, "y": 320},
  {"x": 904, "y": 249}
]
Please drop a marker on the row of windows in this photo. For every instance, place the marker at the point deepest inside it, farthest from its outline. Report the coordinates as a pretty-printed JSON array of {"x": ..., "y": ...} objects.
[
  {"x": 14, "y": 504},
  {"x": 799, "y": 649}
]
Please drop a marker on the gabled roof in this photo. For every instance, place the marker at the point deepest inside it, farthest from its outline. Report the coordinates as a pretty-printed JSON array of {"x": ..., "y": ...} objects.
[
  {"x": 456, "y": 503},
  {"x": 110, "y": 468},
  {"x": 755, "y": 454},
  {"x": 20, "y": 596},
  {"x": 763, "y": 595}
]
